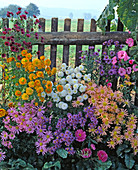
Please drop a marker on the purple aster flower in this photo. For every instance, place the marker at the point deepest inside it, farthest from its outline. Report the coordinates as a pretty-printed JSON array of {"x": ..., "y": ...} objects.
[
  {"x": 104, "y": 53},
  {"x": 104, "y": 43},
  {"x": 106, "y": 57},
  {"x": 122, "y": 46},
  {"x": 2, "y": 155},
  {"x": 99, "y": 130},
  {"x": 91, "y": 47},
  {"x": 102, "y": 72},
  {"x": 112, "y": 53},
  {"x": 108, "y": 61},
  {"x": 111, "y": 72},
  {"x": 116, "y": 43},
  {"x": 128, "y": 69},
  {"x": 96, "y": 53}
]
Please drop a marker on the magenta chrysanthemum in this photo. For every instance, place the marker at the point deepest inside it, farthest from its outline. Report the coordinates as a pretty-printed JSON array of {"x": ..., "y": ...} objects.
[
  {"x": 86, "y": 153},
  {"x": 102, "y": 155},
  {"x": 80, "y": 135}
]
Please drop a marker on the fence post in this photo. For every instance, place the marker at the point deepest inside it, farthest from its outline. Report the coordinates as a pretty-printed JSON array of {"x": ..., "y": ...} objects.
[
  {"x": 79, "y": 47},
  {"x": 67, "y": 25},
  {"x": 42, "y": 29}
]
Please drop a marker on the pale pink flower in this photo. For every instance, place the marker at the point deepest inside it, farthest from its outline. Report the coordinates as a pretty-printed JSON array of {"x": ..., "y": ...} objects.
[
  {"x": 122, "y": 54},
  {"x": 77, "y": 103},
  {"x": 93, "y": 147},
  {"x": 126, "y": 58},
  {"x": 121, "y": 71},
  {"x": 102, "y": 155},
  {"x": 131, "y": 61},
  {"x": 129, "y": 32},
  {"x": 114, "y": 60},
  {"x": 130, "y": 42},
  {"x": 135, "y": 67},
  {"x": 80, "y": 135},
  {"x": 86, "y": 153}
]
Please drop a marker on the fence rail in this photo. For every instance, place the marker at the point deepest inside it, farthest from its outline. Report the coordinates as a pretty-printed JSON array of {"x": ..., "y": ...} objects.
[{"x": 79, "y": 38}]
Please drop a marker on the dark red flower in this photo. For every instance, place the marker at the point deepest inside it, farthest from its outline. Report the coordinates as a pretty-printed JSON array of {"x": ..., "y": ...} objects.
[
  {"x": 7, "y": 43},
  {"x": 26, "y": 12},
  {"x": 19, "y": 8},
  {"x": 3, "y": 55},
  {"x": 34, "y": 16},
  {"x": 18, "y": 12}
]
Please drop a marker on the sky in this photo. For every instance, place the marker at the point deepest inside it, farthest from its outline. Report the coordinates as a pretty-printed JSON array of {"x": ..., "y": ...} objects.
[{"x": 71, "y": 4}]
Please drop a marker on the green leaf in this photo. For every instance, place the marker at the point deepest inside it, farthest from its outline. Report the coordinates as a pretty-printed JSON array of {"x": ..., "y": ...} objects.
[
  {"x": 21, "y": 162},
  {"x": 103, "y": 165},
  {"x": 62, "y": 153},
  {"x": 133, "y": 50},
  {"x": 48, "y": 165},
  {"x": 129, "y": 161},
  {"x": 120, "y": 149}
]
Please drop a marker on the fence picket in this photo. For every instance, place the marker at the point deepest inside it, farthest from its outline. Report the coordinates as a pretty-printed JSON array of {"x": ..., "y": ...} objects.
[
  {"x": 67, "y": 25},
  {"x": 79, "y": 47}
]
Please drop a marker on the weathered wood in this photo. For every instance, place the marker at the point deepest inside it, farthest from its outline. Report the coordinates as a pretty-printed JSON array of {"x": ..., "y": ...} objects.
[
  {"x": 93, "y": 25},
  {"x": 42, "y": 29},
  {"x": 120, "y": 26},
  {"x": 108, "y": 26},
  {"x": 81, "y": 38},
  {"x": 53, "y": 51},
  {"x": 67, "y": 25},
  {"x": 79, "y": 47}
]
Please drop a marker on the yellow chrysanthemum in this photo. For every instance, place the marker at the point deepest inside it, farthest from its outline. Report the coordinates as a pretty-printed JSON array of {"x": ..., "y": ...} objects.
[
  {"x": 28, "y": 55},
  {"x": 31, "y": 84},
  {"x": 29, "y": 91},
  {"x": 3, "y": 112},
  {"x": 36, "y": 62},
  {"x": 25, "y": 96},
  {"x": 25, "y": 61}
]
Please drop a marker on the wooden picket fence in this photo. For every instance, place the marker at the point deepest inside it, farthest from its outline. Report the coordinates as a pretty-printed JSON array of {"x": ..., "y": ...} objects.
[{"x": 79, "y": 38}]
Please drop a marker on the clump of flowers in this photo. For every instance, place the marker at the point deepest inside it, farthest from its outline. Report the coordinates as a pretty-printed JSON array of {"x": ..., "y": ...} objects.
[{"x": 102, "y": 155}]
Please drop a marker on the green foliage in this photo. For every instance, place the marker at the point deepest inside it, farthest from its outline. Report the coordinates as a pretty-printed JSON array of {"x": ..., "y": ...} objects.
[
  {"x": 49, "y": 165},
  {"x": 103, "y": 165},
  {"x": 129, "y": 161},
  {"x": 62, "y": 153},
  {"x": 32, "y": 9}
]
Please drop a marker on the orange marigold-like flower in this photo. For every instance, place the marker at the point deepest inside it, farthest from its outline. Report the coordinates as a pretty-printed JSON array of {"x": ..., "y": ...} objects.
[
  {"x": 23, "y": 52},
  {"x": 6, "y": 78},
  {"x": 11, "y": 104},
  {"x": 28, "y": 55},
  {"x": 25, "y": 96},
  {"x": 48, "y": 69},
  {"x": 18, "y": 93},
  {"x": 36, "y": 62},
  {"x": 18, "y": 65},
  {"x": 47, "y": 62},
  {"x": 31, "y": 84},
  {"x": 25, "y": 61},
  {"x": 31, "y": 67},
  {"x": 40, "y": 74},
  {"x": 54, "y": 70},
  {"x": 48, "y": 84},
  {"x": 37, "y": 83},
  {"x": 42, "y": 57},
  {"x": 29, "y": 91},
  {"x": 59, "y": 88},
  {"x": 22, "y": 81},
  {"x": 48, "y": 90},
  {"x": 3, "y": 112},
  {"x": 44, "y": 81},
  {"x": 32, "y": 76},
  {"x": 39, "y": 89}
]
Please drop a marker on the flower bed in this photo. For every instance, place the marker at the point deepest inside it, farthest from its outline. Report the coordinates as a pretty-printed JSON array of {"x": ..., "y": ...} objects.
[{"x": 78, "y": 122}]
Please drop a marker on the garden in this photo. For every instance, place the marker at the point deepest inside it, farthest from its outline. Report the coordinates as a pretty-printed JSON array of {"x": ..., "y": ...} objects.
[{"x": 70, "y": 118}]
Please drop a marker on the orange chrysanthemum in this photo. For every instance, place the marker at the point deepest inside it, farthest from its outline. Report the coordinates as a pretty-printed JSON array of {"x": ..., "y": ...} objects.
[
  {"x": 37, "y": 83},
  {"x": 40, "y": 74},
  {"x": 28, "y": 55},
  {"x": 48, "y": 84},
  {"x": 23, "y": 52},
  {"x": 39, "y": 89},
  {"x": 25, "y": 96},
  {"x": 54, "y": 70},
  {"x": 47, "y": 62},
  {"x": 42, "y": 57},
  {"x": 18, "y": 93},
  {"x": 32, "y": 76},
  {"x": 22, "y": 81},
  {"x": 18, "y": 65},
  {"x": 36, "y": 62},
  {"x": 31, "y": 84},
  {"x": 48, "y": 90},
  {"x": 29, "y": 91},
  {"x": 31, "y": 67},
  {"x": 48, "y": 69},
  {"x": 25, "y": 61},
  {"x": 59, "y": 88}
]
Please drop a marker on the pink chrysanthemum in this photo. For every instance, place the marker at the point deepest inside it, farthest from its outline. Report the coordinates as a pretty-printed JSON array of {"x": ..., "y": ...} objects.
[
  {"x": 122, "y": 54},
  {"x": 121, "y": 71},
  {"x": 135, "y": 67},
  {"x": 2, "y": 155},
  {"x": 86, "y": 153},
  {"x": 102, "y": 155},
  {"x": 80, "y": 135},
  {"x": 130, "y": 42}
]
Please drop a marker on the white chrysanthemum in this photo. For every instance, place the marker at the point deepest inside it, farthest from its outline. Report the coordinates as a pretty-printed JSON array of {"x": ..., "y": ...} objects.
[
  {"x": 60, "y": 104},
  {"x": 64, "y": 106},
  {"x": 69, "y": 78},
  {"x": 60, "y": 74},
  {"x": 85, "y": 96},
  {"x": 70, "y": 92},
  {"x": 81, "y": 67},
  {"x": 67, "y": 72},
  {"x": 85, "y": 77},
  {"x": 54, "y": 95},
  {"x": 88, "y": 79},
  {"x": 63, "y": 69},
  {"x": 63, "y": 65},
  {"x": 80, "y": 98},
  {"x": 56, "y": 99},
  {"x": 57, "y": 105},
  {"x": 75, "y": 86},
  {"x": 43, "y": 94},
  {"x": 89, "y": 75},
  {"x": 76, "y": 70},
  {"x": 67, "y": 86},
  {"x": 82, "y": 88},
  {"x": 78, "y": 75},
  {"x": 75, "y": 91},
  {"x": 62, "y": 81},
  {"x": 74, "y": 81},
  {"x": 68, "y": 97},
  {"x": 50, "y": 94},
  {"x": 71, "y": 70},
  {"x": 63, "y": 93},
  {"x": 73, "y": 75},
  {"x": 69, "y": 89}
]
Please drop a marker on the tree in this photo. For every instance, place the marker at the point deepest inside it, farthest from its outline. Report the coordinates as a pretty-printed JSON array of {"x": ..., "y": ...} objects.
[
  {"x": 11, "y": 8},
  {"x": 32, "y": 9},
  {"x": 71, "y": 15}
]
